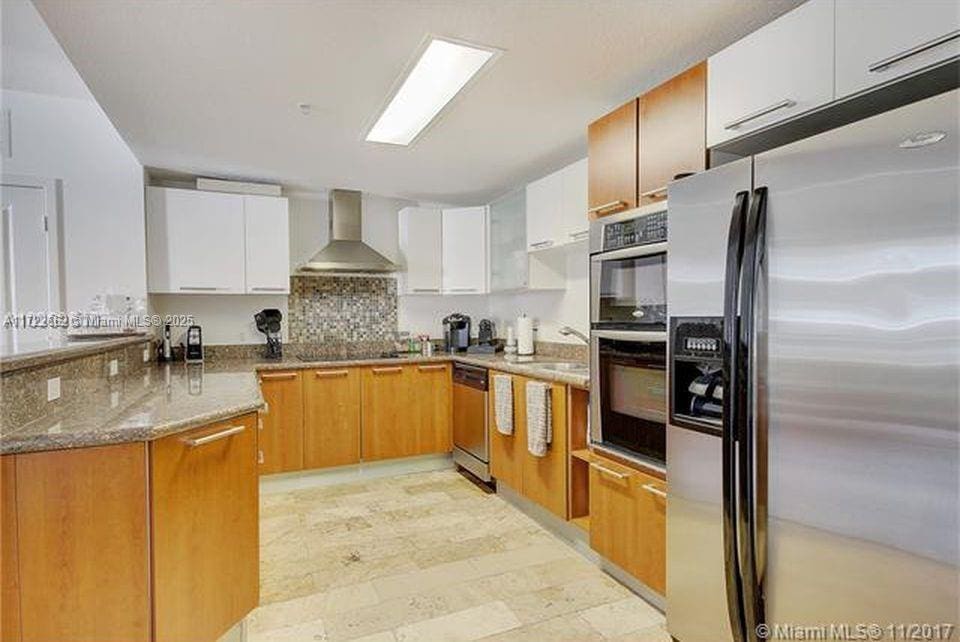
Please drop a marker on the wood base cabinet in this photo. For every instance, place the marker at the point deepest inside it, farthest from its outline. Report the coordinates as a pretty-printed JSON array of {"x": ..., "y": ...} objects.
[
  {"x": 628, "y": 520},
  {"x": 281, "y": 434},
  {"x": 205, "y": 530},
  {"x": 540, "y": 479},
  {"x": 433, "y": 390},
  {"x": 331, "y": 417},
  {"x": 389, "y": 413},
  {"x": 77, "y": 529}
]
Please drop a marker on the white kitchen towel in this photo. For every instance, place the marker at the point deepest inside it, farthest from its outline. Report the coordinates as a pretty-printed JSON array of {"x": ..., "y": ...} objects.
[
  {"x": 539, "y": 418},
  {"x": 503, "y": 403}
]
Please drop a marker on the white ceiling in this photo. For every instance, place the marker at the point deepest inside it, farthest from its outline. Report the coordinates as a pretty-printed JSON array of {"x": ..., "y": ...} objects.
[{"x": 211, "y": 87}]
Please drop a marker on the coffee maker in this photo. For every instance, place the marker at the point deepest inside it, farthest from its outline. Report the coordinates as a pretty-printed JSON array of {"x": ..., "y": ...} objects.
[
  {"x": 456, "y": 332},
  {"x": 268, "y": 322}
]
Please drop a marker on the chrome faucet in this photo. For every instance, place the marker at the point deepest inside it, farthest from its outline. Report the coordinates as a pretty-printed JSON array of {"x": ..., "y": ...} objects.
[{"x": 568, "y": 331}]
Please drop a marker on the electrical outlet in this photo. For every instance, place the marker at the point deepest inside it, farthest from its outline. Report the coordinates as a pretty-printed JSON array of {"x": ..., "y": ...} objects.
[
  {"x": 114, "y": 399},
  {"x": 146, "y": 355},
  {"x": 53, "y": 388},
  {"x": 114, "y": 367}
]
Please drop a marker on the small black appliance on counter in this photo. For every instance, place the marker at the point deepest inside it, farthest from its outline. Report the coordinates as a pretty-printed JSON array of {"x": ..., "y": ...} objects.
[
  {"x": 192, "y": 343},
  {"x": 456, "y": 332},
  {"x": 268, "y": 322},
  {"x": 486, "y": 339}
]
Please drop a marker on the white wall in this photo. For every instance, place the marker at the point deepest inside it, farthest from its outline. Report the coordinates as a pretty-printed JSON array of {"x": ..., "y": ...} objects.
[
  {"x": 60, "y": 132},
  {"x": 225, "y": 318}
]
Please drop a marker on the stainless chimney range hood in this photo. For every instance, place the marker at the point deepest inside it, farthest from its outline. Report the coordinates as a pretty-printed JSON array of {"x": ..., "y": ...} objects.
[{"x": 346, "y": 251}]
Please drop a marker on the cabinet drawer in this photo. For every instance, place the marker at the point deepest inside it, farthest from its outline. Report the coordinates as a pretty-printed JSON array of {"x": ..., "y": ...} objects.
[
  {"x": 628, "y": 520},
  {"x": 783, "y": 69},
  {"x": 880, "y": 40},
  {"x": 205, "y": 530}
]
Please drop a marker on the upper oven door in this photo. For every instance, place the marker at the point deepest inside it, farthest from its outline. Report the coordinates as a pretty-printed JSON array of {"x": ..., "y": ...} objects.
[{"x": 628, "y": 288}]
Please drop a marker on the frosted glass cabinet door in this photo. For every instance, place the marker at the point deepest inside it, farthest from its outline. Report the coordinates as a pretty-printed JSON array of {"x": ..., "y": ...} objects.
[
  {"x": 508, "y": 240},
  {"x": 465, "y": 250},
  {"x": 267, "y": 244},
  {"x": 879, "y": 40}
]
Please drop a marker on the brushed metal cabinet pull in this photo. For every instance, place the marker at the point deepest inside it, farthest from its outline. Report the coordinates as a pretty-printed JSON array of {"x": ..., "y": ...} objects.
[
  {"x": 331, "y": 373},
  {"x": 217, "y": 436},
  {"x": 743, "y": 120},
  {"x": 426, "y": 368},
  {"x": 608, "y": 471},
  {"x": 650, "y": 488},
  {"x": 655, "y": 192},
  {"x": 279, "y": 376},
  {"x": 387, "y": 370},
  {"x": 883, "y": 65},
  {"x": 607, "y": 207}
]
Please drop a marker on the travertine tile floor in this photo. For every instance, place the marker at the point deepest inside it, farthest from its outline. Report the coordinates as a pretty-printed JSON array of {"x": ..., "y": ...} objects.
[{"x": 428, "y": 557}]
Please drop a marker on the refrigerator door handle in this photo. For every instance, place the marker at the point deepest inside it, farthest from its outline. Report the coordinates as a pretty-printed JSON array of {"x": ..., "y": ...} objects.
[
  {"x": 731, "y": 289},
  {"x": 753, "y": 255}
]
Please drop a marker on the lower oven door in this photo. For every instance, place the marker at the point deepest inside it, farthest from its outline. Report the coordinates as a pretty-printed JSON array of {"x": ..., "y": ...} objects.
[{"x": 629, "y": 393}]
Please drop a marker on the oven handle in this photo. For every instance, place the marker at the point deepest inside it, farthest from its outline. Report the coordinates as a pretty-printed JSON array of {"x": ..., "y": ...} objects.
[
  {"x": 630, "y": 252},
  {"x": 635, "y": 336}
]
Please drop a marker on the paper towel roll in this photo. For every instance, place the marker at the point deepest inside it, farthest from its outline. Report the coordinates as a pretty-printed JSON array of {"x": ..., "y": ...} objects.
[{"x": 524, "y": 335}]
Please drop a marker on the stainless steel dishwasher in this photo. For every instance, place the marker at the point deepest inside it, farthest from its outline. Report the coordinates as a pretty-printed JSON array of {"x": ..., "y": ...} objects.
[{"x": 471, "y": 440}]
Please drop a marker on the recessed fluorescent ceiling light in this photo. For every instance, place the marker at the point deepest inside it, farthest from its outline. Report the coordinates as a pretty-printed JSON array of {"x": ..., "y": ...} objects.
[{"x": 441, "y": 72}]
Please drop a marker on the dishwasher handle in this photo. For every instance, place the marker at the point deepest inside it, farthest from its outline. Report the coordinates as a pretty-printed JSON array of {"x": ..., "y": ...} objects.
[{"x": 471, "y": 376}]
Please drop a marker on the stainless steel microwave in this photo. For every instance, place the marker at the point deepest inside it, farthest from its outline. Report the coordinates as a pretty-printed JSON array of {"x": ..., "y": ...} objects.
[{"x": 628, "y": 270}]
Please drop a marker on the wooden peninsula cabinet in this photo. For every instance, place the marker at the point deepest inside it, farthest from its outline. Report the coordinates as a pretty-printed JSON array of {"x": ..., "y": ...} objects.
[
  {"x": 204, "y": 530},
  {"x": 145, "y": 541}
]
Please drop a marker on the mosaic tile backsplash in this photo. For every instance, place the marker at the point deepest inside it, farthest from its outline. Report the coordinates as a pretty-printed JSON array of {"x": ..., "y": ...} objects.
[{"x": 324, "y": 309}]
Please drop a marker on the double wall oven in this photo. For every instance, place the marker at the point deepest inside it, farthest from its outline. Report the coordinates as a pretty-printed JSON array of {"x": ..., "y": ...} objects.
[{"x": 628, "y": 331}]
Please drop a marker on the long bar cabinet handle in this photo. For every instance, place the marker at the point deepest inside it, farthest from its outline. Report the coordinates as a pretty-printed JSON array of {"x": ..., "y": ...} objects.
[
  {"x": 650, "y": 488},
  {"x": 217, "y": 436},
  {"x": 609, "y": 471}
]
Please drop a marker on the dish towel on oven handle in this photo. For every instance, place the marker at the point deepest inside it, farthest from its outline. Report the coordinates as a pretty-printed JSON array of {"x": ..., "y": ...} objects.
[
  {"x": 539, "y": 418},
  {"x": 503, "y": 403}
]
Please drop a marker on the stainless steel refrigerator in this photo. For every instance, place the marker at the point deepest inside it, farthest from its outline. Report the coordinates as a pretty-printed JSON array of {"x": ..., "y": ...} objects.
[{"x": 817, "y": 284}]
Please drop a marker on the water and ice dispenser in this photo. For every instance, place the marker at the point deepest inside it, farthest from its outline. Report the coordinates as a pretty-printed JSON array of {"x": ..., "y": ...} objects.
[{"x": 696, "y": 372}]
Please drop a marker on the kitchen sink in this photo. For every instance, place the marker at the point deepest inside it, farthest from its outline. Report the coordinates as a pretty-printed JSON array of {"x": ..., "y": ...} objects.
[{"x": 563, "y": 366}]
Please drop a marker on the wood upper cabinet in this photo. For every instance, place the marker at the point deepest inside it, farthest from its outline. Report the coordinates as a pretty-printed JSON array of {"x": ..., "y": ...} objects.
[
  {"x": 613, "y": 161},
  {"x": 205, "y": 531},
  {"x": 281, "y": 437},
  {"x": 9, "y": 564},
  {"x": 627, "y": 520},
  {"x": 389, "y": 412},
  {"x": 545, "y": 478},
  {"x": 83, "y": 546},
  {"x": 331, "y": 417},
  {"x": 673, "y": 130},
  {"x": 434, "y": 409},
  {"x": 507, "y": 451}
]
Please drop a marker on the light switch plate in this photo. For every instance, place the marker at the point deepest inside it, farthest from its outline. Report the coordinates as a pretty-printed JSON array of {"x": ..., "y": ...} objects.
[
  {"x": 53, "y": 388},
  {"x": 114, "y": 368}
]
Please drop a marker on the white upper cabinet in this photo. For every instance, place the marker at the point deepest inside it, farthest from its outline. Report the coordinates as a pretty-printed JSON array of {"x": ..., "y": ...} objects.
[
  {"x": 421, "y": 240},
  {"x": 544, "y": 212},
  {"x": 783, "y": 69},
  {"x": 557, "y": 208},
  {"x": 267, "y": 232},
  {"x": 880, "y": 40},
  {"x": 216, "y": 243},
  {"x": 195, "y": 242},
  {"x": 576, "y": 225},
  {"x": 464, "y": 250}
]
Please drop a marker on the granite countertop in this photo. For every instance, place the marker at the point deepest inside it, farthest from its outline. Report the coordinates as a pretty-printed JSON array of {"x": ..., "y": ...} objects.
[
  {"x": 170, "y": 398},
  {"x": 16, "y": 354},
  {"x": 156, "y": 402}
]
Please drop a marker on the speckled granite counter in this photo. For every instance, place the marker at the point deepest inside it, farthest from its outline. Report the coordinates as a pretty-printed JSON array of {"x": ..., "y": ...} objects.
[
  {"x": 165, "y": 399},
  {"x": 16, "y": 355},
  {"x": 159, "y": 401}
]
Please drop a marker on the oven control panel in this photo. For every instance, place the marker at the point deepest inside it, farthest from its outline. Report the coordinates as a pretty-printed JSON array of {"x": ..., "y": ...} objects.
[{"x": 642, "y": 230}]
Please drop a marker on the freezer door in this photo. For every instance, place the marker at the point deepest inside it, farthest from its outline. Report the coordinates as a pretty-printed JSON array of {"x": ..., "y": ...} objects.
[
  {"x": 699, "y": 220},
  {"x": 857, "y": 352}
]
